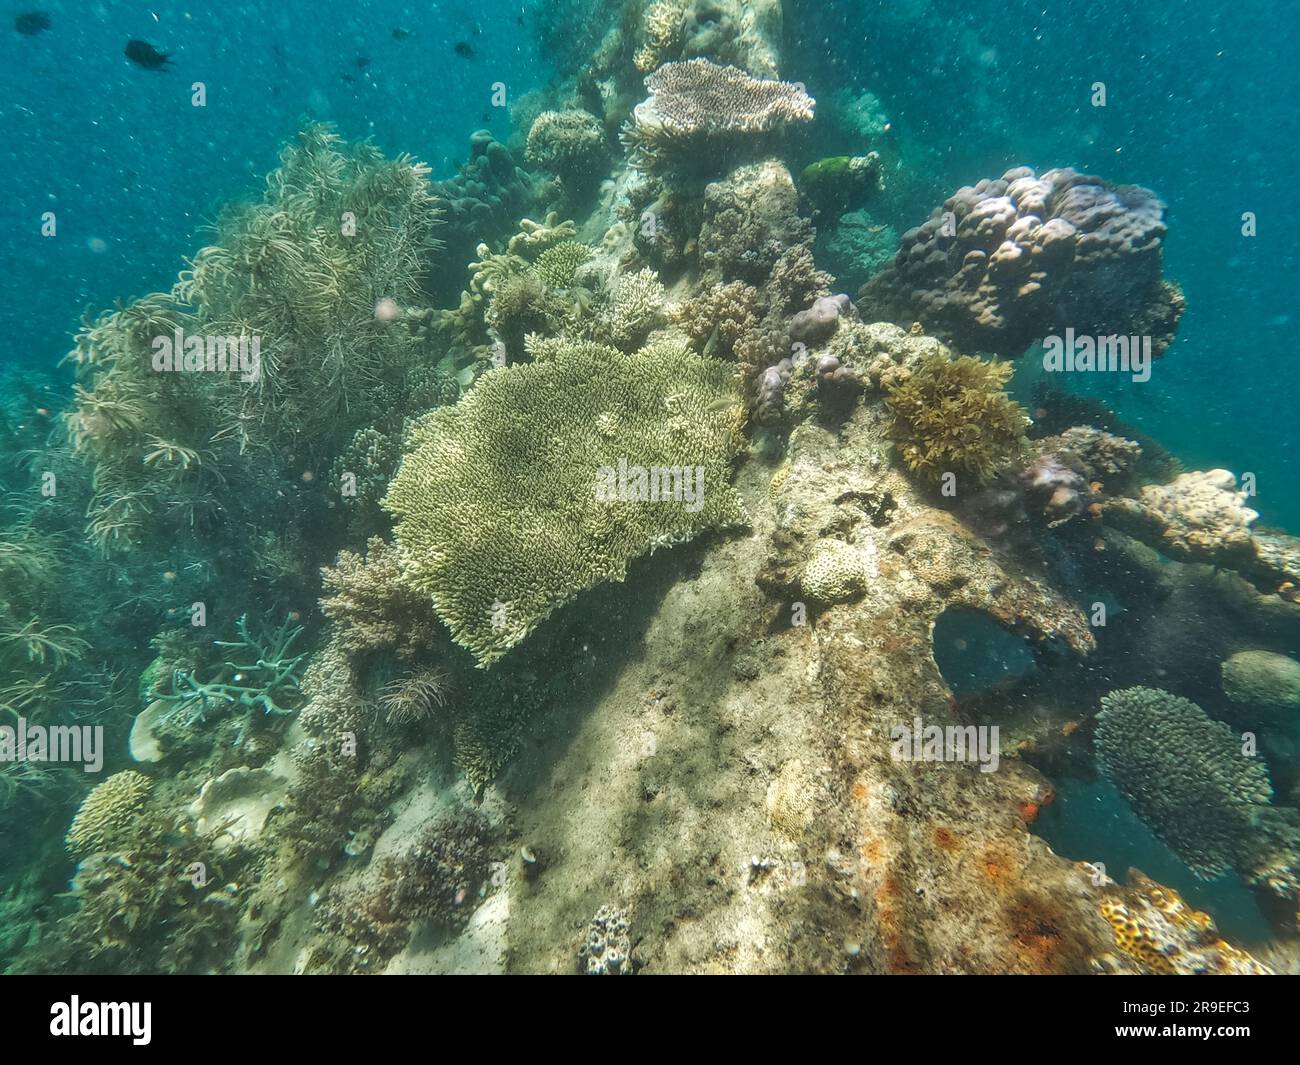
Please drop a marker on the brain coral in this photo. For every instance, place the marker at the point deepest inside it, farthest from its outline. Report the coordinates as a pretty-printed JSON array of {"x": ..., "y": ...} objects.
[
  {"x": 836, "y": 572},
  {"x": 496, "y": 502},
  {"x": 1008, "y": 261},
  {"x": 1263, "y": 679},
  {"x": 1184, "y": 774},
  {"x": 108, "y": 813}
]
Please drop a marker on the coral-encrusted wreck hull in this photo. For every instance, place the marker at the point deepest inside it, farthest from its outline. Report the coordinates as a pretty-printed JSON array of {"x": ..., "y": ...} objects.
[{"x": 753, "y": 819}]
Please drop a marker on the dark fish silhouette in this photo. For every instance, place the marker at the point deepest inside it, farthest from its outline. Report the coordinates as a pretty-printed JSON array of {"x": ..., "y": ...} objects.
[
  {"x": 400, "y": 34},
  {"x": 464, "y": 49},
  {"x": 144, "y": 54},
  {"x": 361, "y": 62},
  {"x": 30, "y": 23}
]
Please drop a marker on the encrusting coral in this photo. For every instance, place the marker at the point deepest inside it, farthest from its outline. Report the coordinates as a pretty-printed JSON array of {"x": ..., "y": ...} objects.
[
  {"x": 436, "y": 879},
  {"x": 1156, "y": 931},
  {"x": 525, "y": 455}
]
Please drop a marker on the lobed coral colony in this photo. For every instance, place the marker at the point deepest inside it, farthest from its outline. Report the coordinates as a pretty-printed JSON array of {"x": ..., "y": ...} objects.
[{"x": 584, "y": 558}]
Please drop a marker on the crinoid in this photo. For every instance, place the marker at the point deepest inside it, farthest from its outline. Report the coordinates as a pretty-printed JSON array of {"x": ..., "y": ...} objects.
[{"x": 415, "y": 697}]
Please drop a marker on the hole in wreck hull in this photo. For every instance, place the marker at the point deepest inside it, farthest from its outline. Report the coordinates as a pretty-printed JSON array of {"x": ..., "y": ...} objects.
[{"x": 976, "y": 655}]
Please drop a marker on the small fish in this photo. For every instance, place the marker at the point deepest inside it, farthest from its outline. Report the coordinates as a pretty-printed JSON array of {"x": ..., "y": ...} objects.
[
  {"x": 464, "y": 49},
  {"x": 30, "y": 23},
  {"x": 361, "y": 62},
  {"x": 400, "y": 34},
  {"x": 144, "y": 54}
]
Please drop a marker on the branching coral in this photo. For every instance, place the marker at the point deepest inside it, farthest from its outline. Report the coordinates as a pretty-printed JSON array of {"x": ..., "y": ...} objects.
[
  {"x": 717, "y": 317},
  {"x": 558, "y": 265},
  {"x": 634, "y": 308},
  {"x": 664, "y": 30},
  {"x": 260, "y": 674},
  {"x": 534, "y": 238},
  {"x": 952, "y": 416},
  {"x": 373, "y": 609},
  {"x": 1185, "y": 775},
  {"x": 109, "y": 813},
  {"x": 496, "y": 502}
]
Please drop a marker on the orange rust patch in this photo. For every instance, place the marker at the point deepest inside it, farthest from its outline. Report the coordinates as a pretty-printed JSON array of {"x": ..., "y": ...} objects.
[
  {"x": 859, "y": 791},
  {"x": 871, "y": 851},
  {"x": 997, "y": 867},
  {"x": 945, "y": 840},
  {"x": 1028, "y": 812},
  {"x": 1037, "y": 934}
]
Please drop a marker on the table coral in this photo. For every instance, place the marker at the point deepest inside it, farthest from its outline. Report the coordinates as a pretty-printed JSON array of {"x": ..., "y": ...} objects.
[
  {"x": 697, "y": 109},
  {"x": 495, "y": 502}
]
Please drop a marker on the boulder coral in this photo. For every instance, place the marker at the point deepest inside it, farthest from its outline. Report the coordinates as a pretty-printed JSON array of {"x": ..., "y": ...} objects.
[
  {"x": 567, "y": 143},
  {"x": 108, "y": 815},
  {"x": 1008, "y": 261},
  {"x": 1263, "y": 680}
]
